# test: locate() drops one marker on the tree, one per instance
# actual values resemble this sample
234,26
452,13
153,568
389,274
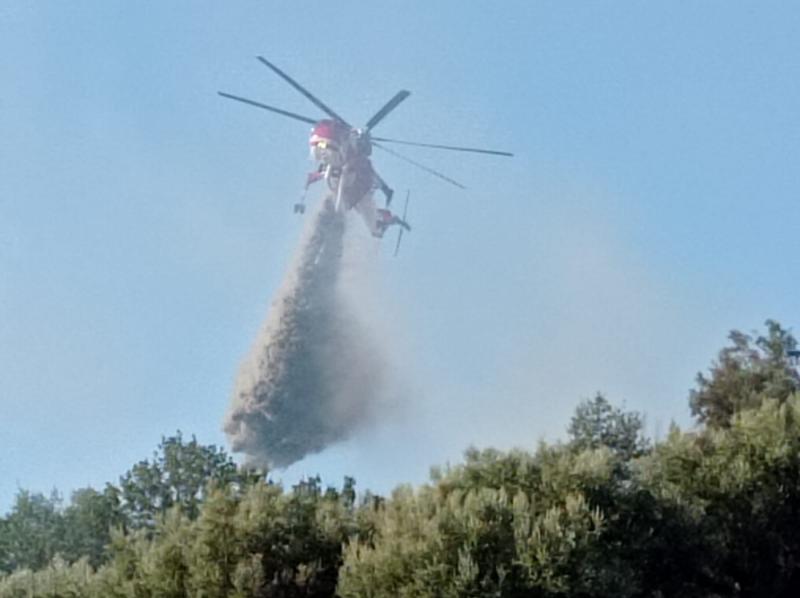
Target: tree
32,533
711,512
740,485
295,538
597,423
510,524
38,528
744,375
178,475
88,522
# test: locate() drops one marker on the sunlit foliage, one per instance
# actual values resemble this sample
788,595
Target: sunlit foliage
712,511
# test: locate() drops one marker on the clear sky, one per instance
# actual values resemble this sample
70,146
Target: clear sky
145,222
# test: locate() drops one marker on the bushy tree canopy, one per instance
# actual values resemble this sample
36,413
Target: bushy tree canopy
32,533
178,474
39,528
709,512
597,423
749,371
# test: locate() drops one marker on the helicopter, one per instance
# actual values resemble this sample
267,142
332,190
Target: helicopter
342,153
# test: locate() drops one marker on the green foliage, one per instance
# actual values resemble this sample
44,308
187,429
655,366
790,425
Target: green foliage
259,541
32,534
744,375
297,536
87,524
597,423
713,512
38,529
741,487
177,475
216,550
56,580
707,513
500,525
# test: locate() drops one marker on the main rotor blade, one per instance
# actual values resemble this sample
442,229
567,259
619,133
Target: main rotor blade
454,148
270,108
418,165
314,100
390,105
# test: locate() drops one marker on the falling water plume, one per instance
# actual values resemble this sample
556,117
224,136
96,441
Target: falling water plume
315,370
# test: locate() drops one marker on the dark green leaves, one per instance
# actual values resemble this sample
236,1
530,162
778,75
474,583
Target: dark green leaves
746,373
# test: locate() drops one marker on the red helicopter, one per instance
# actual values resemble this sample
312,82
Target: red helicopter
342,154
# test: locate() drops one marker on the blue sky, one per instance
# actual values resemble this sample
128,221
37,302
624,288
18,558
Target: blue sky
145,222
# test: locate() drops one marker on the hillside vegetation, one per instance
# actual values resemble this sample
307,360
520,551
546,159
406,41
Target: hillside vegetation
713,511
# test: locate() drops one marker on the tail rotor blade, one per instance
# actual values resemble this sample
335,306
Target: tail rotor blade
390,105
454,148
313,99
305,119
418,165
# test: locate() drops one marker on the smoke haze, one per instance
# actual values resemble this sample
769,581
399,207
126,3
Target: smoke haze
315,373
